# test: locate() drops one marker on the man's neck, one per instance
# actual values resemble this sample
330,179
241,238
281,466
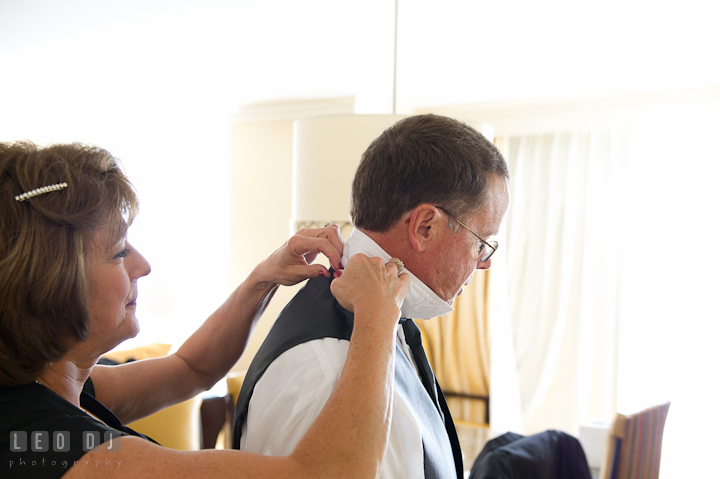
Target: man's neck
420,301
396,243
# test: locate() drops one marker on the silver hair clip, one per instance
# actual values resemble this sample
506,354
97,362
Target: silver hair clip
39,191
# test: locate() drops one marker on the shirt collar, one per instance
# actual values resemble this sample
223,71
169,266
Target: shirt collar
421,302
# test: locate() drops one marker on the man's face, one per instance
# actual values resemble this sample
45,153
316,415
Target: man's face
456,257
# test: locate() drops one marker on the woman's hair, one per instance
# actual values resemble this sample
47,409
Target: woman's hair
44,246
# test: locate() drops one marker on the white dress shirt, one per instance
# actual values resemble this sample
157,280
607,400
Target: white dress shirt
288,399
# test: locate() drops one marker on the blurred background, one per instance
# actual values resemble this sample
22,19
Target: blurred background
175,88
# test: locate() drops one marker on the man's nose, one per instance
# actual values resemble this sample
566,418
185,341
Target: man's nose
484,264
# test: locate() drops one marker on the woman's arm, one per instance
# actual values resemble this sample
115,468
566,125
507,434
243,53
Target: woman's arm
137,389
348,438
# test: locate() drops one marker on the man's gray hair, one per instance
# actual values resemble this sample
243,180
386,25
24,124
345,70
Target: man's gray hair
423,159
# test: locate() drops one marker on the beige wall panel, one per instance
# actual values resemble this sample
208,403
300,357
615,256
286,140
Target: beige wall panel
261,208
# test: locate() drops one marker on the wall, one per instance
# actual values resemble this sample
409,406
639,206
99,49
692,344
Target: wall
261,198
261,207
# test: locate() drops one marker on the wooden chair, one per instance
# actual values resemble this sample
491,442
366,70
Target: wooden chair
634,445
234,382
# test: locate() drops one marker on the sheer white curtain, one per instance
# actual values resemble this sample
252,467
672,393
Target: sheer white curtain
613,276
669,317
562,262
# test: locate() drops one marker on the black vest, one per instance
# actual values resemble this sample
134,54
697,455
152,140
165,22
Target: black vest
315,314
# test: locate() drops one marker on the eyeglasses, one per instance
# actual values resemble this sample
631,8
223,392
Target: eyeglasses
483,254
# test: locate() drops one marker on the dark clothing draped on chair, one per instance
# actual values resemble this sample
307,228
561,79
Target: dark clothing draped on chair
547,455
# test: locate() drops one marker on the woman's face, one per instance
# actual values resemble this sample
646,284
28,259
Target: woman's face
114,267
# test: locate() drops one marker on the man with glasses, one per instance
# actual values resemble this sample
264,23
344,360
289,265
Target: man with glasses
432,192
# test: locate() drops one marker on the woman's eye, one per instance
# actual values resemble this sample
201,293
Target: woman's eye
123,253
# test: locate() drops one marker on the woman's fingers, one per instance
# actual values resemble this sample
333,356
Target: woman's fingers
330,232
371,282
291,263
304,250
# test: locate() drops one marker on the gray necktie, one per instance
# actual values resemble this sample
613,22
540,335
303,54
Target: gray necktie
443,439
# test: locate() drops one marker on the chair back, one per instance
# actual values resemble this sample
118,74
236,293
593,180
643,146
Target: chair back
177,426
634,445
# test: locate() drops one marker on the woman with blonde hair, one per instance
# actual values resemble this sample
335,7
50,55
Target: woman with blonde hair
68,291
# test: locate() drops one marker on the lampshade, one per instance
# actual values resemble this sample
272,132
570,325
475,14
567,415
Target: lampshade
326,152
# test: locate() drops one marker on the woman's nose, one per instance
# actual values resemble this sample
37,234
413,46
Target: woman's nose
137,265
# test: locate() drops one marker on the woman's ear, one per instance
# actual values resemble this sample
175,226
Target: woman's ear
423,227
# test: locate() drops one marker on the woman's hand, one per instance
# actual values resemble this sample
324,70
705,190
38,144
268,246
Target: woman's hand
367,282
292,262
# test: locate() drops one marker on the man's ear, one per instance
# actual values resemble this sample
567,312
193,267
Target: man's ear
423,226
